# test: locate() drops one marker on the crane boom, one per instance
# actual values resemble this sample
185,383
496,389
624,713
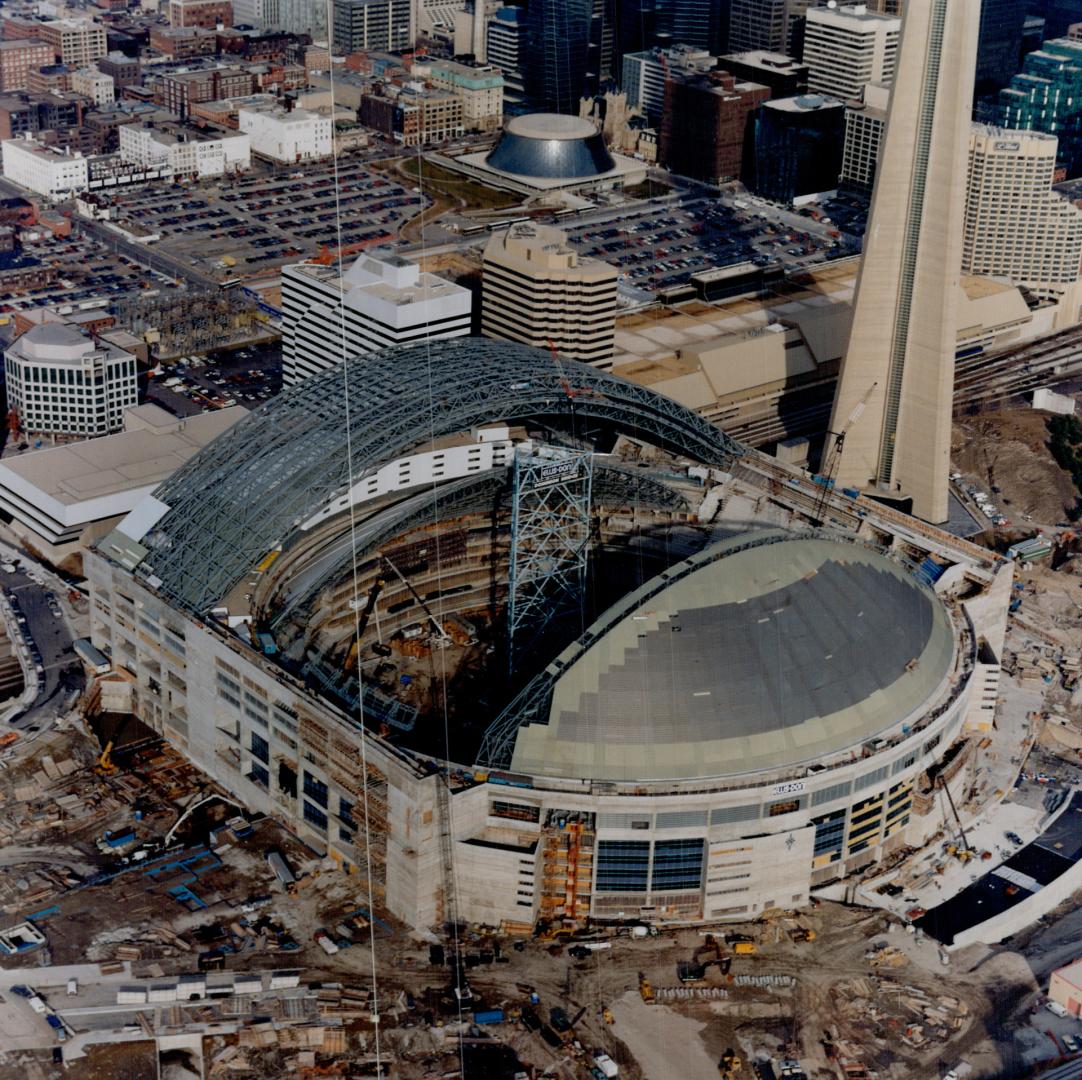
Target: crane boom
834,453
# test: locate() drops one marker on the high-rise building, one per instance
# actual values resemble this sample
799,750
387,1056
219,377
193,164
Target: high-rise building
1000,44
538,290
757,24
381,300
303,17
896,384
784,76
1016,226
797,147
848,47
258,13
382,25
645,73
701,24
864,123
565,54
704,127
61,382
506,49
1047,96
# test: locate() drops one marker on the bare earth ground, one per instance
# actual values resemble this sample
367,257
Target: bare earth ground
1008,449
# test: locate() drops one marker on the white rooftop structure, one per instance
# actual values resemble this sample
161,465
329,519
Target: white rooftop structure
382,299
55,495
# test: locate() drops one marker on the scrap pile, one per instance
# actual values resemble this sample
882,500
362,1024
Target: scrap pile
881,1010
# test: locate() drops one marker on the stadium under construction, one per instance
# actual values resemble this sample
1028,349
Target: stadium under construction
535,643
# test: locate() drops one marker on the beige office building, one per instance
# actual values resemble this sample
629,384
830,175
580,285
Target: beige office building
1016,226
76,42
848,47
865,121
538,290
896,384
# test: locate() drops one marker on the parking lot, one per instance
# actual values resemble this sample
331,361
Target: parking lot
657,247
88,270
244,226
246,376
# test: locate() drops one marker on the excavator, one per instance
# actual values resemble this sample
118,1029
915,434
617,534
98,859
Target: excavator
730,1065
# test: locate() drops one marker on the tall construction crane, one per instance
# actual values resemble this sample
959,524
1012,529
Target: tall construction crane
362,624
834,453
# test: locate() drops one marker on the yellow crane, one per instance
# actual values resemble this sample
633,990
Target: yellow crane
105,766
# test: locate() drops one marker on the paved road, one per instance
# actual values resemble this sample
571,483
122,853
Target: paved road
142,253
53,638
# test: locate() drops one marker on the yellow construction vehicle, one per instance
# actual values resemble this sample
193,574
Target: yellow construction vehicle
105,766
646,990
606,1015
730,1064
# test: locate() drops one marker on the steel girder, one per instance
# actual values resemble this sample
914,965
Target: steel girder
483,492
244,494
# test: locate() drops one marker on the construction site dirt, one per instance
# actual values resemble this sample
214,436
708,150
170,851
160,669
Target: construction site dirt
171,945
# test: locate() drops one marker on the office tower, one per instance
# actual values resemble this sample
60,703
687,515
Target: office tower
557,35
864,123
303,17
60,381
644,75
1058,15
506,48
796,147
846,48
1047,96
1016,226
783,75
757,24
258,13
1000,43
702,24
382,25
704,127
381,300
896,383
538,290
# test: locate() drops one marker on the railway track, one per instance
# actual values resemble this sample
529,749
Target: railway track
979,381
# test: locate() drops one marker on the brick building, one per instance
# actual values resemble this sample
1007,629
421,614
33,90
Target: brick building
183,42
181,89
17,57
205,13
704,125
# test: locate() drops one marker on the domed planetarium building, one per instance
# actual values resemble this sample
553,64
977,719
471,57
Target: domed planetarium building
542,152
733,718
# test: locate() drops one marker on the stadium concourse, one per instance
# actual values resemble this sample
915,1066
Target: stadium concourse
315,610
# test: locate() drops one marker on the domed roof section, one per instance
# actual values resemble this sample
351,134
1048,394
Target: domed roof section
750,656
551,146
55,342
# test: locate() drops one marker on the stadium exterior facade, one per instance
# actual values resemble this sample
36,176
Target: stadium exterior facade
552,819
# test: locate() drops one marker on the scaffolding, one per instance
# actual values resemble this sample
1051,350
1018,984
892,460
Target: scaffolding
195,320
550,536
567,858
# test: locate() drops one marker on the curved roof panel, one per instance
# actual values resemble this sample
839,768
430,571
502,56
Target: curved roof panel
552,146
759,658
243,495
